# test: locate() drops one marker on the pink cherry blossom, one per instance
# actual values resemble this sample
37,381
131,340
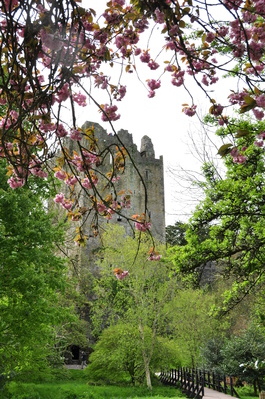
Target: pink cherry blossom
237,156
151,93
63,93
121,91
122,275
153,84
261,135
71,181
36,170
87,183
240,159
145,57
210,37
61,131
80,99
190,111
259,143
259,114
60,174
10,4
217,109
154,257
67,205
153,65
119,2
16,182
76,134
109,113
101,208
260,100
59,198
160,16
142,226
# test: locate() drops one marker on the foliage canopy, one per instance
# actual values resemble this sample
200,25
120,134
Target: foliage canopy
49,50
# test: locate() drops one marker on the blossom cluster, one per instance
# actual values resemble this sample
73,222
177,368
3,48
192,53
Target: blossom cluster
141,223
82,172
44,64
154,255
120,274
238,156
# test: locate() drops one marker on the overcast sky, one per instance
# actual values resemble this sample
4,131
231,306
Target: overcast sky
160,118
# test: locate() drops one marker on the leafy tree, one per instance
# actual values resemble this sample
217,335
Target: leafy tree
33,280
117,355
232,216
50,49
133,290
175,235
243,357
211,354
238,320
191,324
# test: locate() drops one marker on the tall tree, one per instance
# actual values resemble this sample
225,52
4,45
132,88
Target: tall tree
33,279
117,354
175,235
243,357
192,324
232,218
134,290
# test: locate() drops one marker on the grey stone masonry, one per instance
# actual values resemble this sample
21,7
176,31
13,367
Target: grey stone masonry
144,174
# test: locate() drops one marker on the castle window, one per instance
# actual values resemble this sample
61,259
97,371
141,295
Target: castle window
147,175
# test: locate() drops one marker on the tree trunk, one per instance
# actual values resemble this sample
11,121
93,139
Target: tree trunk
147,371
146,359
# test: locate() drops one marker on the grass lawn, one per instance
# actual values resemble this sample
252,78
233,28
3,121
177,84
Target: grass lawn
74,385
82,390
77,387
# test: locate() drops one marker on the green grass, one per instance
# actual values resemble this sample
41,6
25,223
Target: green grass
74,385
75,390
82,390
246,392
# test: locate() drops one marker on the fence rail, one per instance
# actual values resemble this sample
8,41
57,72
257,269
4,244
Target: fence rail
193,381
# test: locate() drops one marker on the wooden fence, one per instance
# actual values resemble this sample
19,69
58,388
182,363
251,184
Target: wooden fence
193,381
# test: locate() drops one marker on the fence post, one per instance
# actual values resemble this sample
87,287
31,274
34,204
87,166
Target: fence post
225,385
203,383
214,381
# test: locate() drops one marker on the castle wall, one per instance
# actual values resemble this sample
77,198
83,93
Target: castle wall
143,175
142,170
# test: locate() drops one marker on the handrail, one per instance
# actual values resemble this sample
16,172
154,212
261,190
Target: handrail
193,381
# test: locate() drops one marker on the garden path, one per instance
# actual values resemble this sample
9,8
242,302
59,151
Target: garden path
211,394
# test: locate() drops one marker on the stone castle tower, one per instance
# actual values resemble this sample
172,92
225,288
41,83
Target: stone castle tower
143,174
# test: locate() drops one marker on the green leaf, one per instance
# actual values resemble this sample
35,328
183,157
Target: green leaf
242,133
224,149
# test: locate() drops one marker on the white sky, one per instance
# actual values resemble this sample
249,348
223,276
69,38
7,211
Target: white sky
160,118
